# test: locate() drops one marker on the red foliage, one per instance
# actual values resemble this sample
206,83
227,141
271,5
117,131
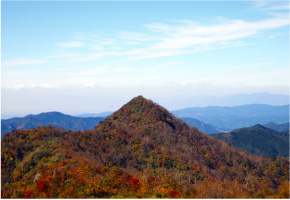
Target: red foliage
173,194
134,182
27,195
42,185
152,179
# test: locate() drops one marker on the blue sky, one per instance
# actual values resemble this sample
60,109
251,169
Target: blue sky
108,50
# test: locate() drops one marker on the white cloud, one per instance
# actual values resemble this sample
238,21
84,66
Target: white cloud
184,36
271,5
23,61
279,7
123,69
162,40
71,44
63,55
253,65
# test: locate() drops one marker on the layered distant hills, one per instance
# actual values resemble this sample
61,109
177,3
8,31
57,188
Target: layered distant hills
56,119
203,127
209,120
139,151
230,118
278,127
258,140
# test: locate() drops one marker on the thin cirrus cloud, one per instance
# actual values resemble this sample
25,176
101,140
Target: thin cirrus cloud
184,36
272,5
279,7
161,40
71,44
23,61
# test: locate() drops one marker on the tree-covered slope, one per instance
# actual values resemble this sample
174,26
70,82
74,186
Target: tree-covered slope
56,119
140,151
258,140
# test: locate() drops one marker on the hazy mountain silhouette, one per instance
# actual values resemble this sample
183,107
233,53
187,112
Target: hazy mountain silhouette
56,119
231,118
278,127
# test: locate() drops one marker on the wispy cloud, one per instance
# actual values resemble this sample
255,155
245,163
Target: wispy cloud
23,61
161,40
271,5
184,36
279,7
71,44
253,65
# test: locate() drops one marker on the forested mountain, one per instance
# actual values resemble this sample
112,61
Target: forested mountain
56,119
140,151
258,140
278,127
231,118
203,127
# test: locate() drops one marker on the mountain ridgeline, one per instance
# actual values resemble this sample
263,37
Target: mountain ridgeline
203,127
140,151
278,127
258,140
56,119
230,118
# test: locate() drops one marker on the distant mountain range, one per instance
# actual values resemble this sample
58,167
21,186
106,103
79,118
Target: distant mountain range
278,127
66,104
56,119
258,140
231,118
103,114
203,127
213,119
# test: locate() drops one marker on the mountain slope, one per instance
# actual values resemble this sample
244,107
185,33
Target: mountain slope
278,127
258,140
235,117
203,127
56,119
139,151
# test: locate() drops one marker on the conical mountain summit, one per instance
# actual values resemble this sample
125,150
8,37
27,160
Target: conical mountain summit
141,128
141,112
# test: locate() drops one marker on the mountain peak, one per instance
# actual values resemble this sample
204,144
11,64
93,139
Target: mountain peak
139,105
138,109
141,112
140,97
258,126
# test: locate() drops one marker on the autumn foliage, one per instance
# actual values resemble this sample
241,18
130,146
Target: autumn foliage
140,151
